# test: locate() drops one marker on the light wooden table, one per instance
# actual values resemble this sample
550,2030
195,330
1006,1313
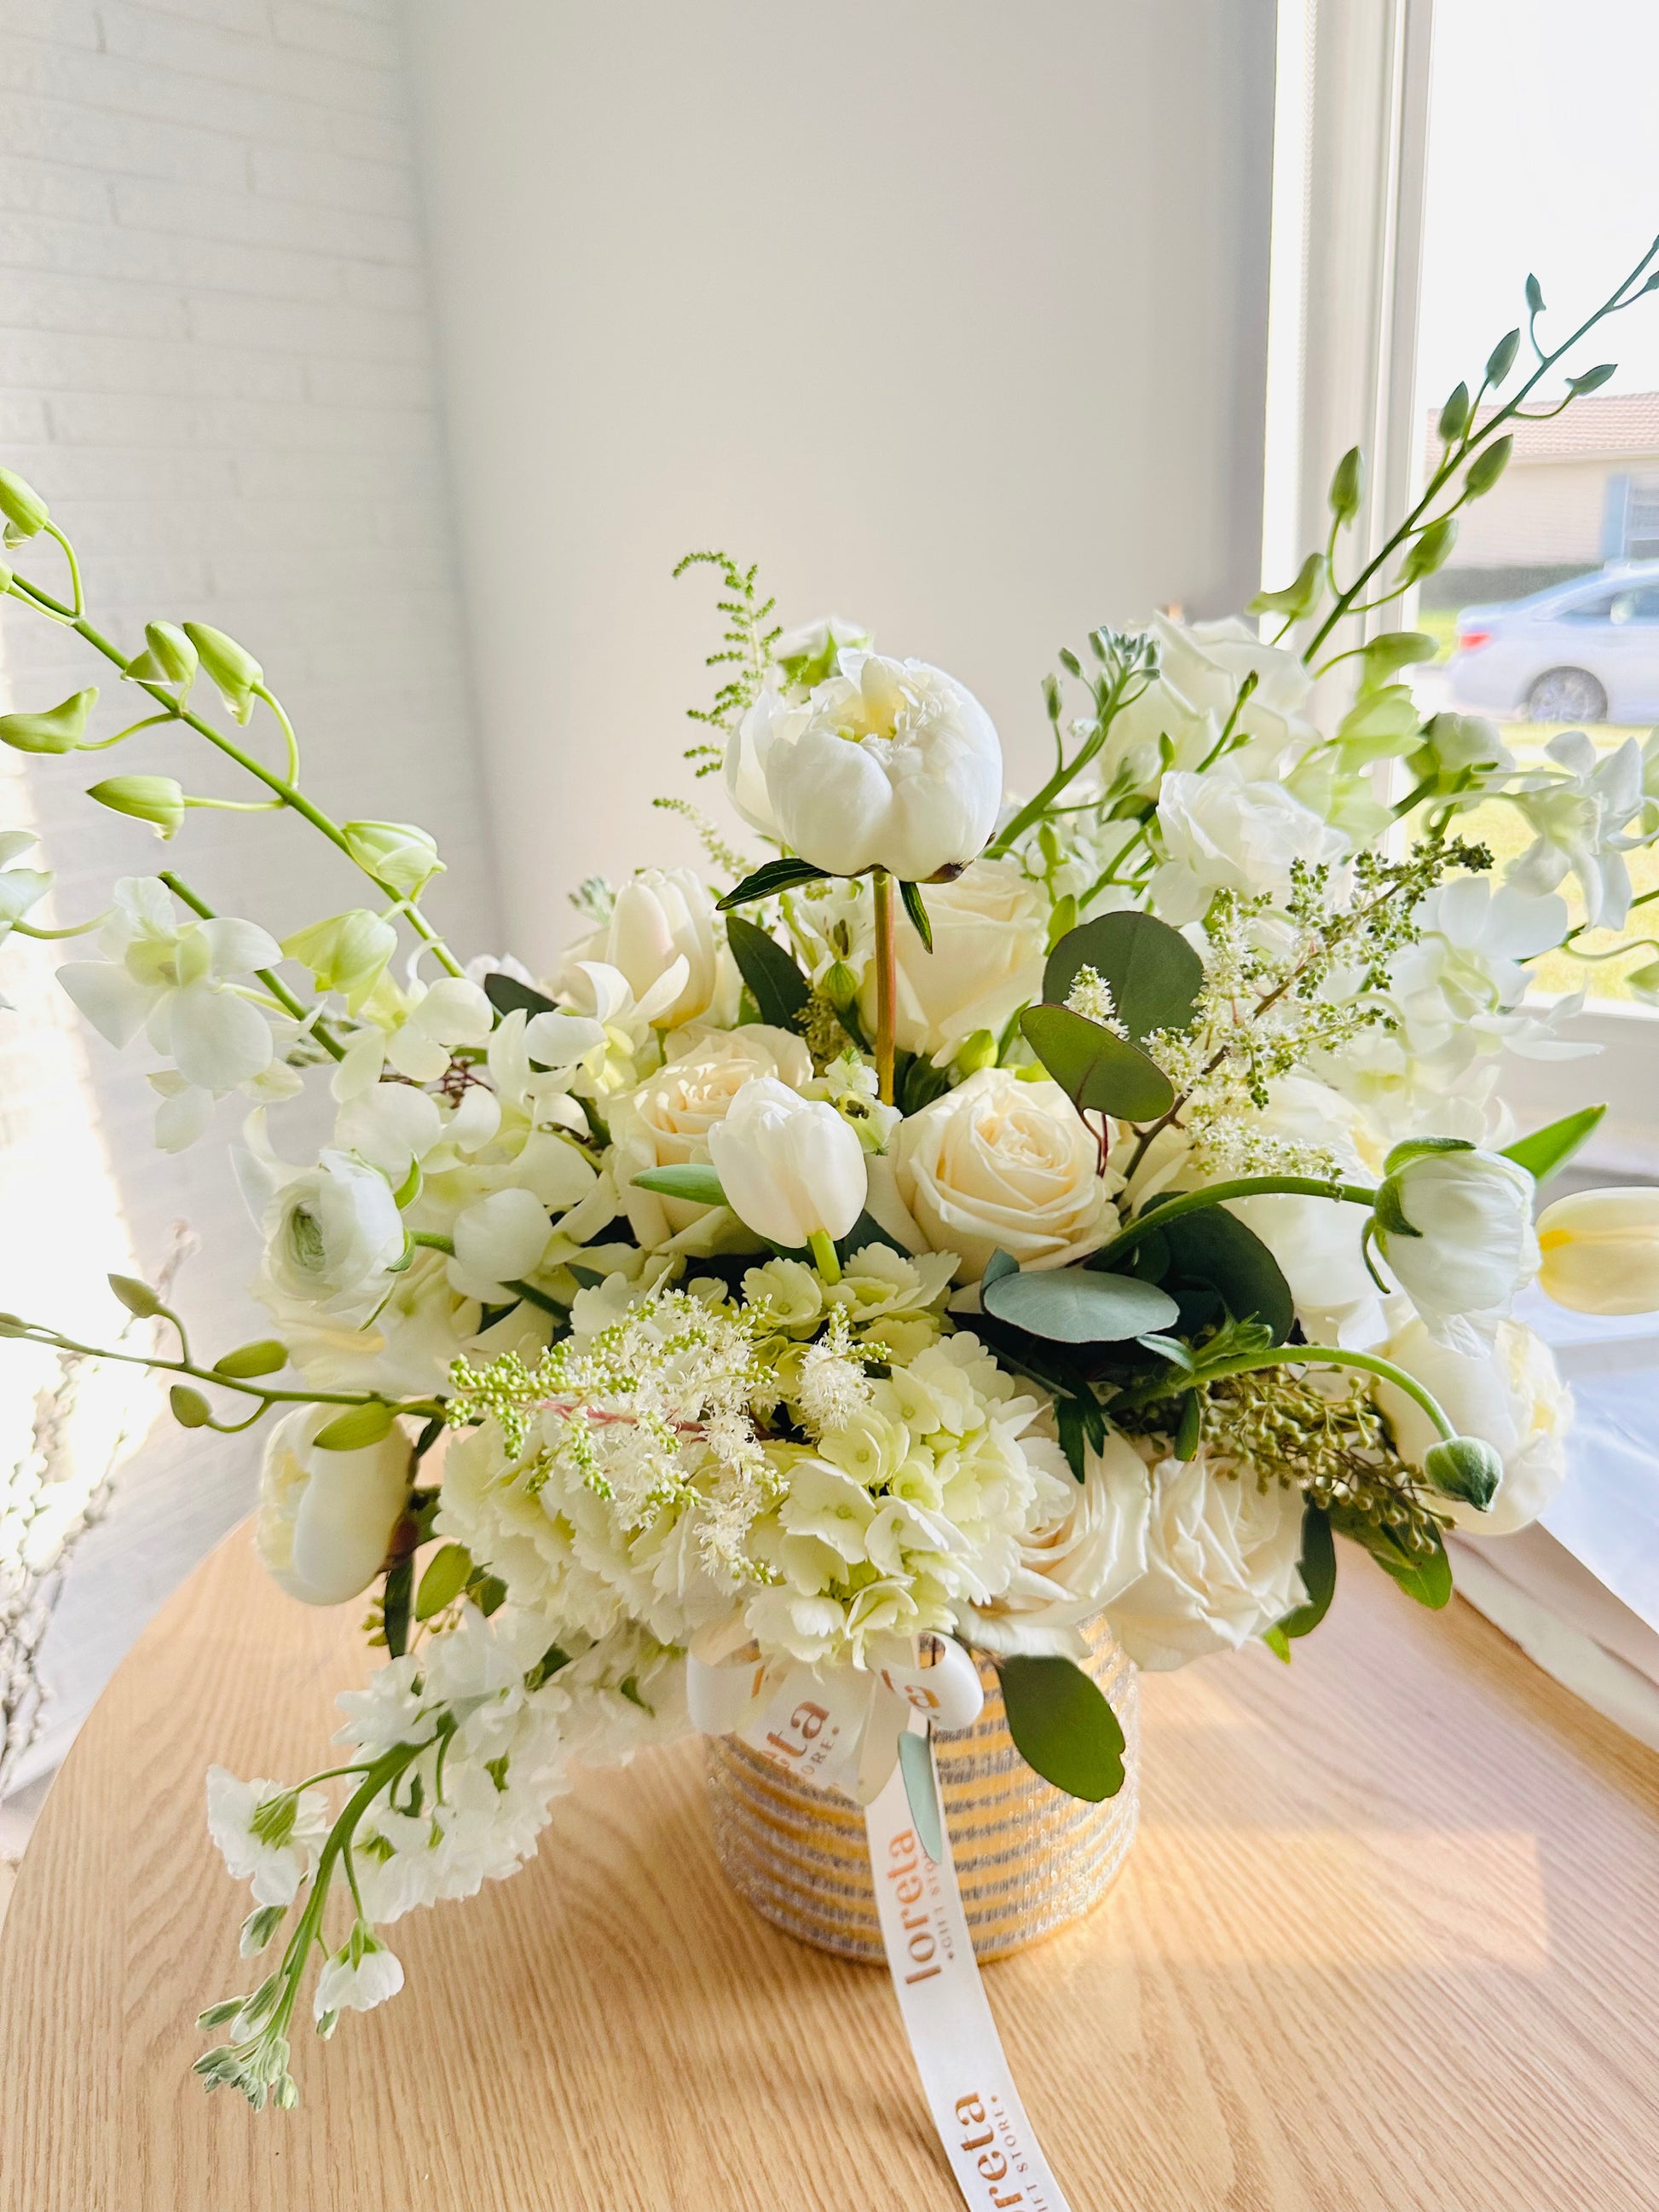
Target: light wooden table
1387,1939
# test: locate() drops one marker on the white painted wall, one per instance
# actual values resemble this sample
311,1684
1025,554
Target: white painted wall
214,363
951,315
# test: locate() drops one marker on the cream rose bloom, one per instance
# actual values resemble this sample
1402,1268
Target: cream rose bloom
990,937
665,1121
1077,1565
999,1163
1511,1397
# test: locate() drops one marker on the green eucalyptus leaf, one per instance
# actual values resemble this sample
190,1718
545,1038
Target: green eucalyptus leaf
775,876
1000,1263
1154,973
447,1574
1552,1146
1062,1726
1069,1305
509,996
1095,1068
780,990
1214,1247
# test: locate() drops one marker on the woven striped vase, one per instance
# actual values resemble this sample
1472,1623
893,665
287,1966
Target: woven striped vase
1029,1859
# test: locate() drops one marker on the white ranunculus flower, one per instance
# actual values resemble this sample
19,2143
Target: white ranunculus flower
790,1167
1224,830
990,938
891,764
1511,1397
1600,1251
1455,1225
326,1517
1222,1559
661,915
999,1163
665,1121
332,1234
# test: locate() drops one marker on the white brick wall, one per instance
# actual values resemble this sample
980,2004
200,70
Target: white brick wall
214,363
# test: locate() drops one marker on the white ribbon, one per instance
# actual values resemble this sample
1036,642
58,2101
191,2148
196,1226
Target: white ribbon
976,2109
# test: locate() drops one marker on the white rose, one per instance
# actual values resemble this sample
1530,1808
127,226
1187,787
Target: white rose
665,1121
1206,662
891,764
1223,831
1222,1560
1511,1397
661,915
1455,1225
1078,1564
331,1233
990,937
790,1167
999,1163
326,1517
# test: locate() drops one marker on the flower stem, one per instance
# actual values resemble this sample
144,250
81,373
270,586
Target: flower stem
823,1255
1330,1355
886,982
1190,1201
274,984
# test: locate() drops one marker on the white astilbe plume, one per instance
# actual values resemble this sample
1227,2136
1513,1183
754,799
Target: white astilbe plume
1090,996
833,1383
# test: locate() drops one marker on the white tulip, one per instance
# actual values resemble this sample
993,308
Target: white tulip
790,1167
326,1518
661,915
1511,1397
890,764
331,1233
1001,1163
1600,1251
1454,1225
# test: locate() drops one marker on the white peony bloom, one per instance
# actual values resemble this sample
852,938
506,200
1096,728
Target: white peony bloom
662,915
332,1234
359,1976
1600,1251
665,1121
1455,1225
1224,831
1222,1559
891,764
326,1518
268,1835
1511,1397
790,1167
172,979
1581,819
1002,1163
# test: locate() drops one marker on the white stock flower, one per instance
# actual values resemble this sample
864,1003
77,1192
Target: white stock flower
1224,830
1580,820
268,1835
666,1121
659,916
791,1168
891,764
1001,1163
1223,1558
326,1518
1454,1223
1600,1251
332,1234
1511,1397
359,1976
172,979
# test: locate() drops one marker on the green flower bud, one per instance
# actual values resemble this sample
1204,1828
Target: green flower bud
1644,983
399,852
1385,656
979,1051
1063,920
1488,464
1454,417
137,1297
1501,360
1347,490
1380,726
1430,551
25,511
264,1358
190,1408
168,656
346,953
1535,296
59,730
841,987
1465,1467
1592,378
231,668
156,799
1298,599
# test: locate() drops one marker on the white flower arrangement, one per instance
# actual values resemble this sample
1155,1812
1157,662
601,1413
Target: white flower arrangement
982,1217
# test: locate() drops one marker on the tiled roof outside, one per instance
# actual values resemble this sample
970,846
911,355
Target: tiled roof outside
1603,427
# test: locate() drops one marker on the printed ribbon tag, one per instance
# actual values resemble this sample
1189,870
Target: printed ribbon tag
976,2109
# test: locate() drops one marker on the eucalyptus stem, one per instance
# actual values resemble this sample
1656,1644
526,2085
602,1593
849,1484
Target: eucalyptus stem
1216,1193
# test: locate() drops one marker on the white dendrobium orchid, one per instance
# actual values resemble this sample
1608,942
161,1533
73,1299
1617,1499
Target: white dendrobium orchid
891,764
532,1058
1225,830
359,1976
268,1835
1580,820
421,1039
791,1166
19,888
1455,1225
172,979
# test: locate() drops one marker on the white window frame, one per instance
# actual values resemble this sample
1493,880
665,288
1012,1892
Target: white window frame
1350,172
